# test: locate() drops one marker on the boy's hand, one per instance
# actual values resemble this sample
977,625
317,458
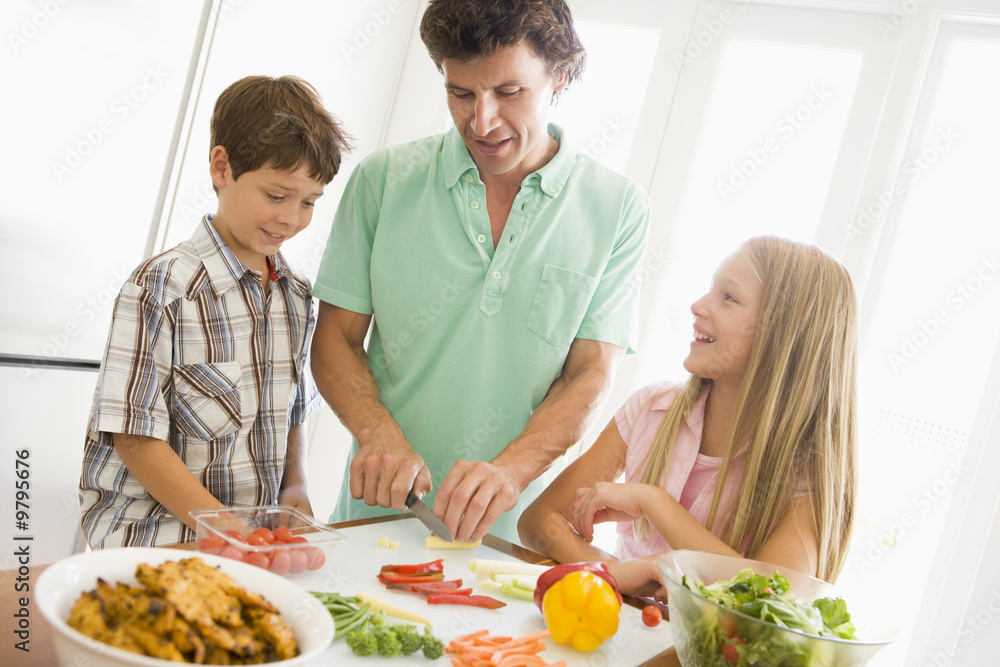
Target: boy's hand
383,473
296,497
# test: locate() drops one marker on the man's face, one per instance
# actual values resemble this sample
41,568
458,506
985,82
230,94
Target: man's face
500,105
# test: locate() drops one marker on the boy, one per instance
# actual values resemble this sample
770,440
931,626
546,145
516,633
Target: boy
204,385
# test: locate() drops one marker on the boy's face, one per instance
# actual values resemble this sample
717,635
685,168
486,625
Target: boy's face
500,105
262,209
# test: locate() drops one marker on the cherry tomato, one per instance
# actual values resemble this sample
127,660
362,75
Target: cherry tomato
300,560
211,544
230,551
235,535
281,562
317,558
258,558
265,534
256,540
731,653
283,534
297,539
651,615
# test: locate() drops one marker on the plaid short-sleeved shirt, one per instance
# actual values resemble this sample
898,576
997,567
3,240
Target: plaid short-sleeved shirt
199,357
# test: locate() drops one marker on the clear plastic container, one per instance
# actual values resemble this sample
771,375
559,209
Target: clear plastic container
277,538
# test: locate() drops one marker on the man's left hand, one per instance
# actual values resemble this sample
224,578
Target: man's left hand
473,496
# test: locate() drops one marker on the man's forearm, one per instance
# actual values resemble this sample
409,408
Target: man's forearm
340,370
562,419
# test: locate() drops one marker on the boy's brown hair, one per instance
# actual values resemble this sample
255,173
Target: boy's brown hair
279,123
468,29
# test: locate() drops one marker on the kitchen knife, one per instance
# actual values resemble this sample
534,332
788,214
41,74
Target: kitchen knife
427,517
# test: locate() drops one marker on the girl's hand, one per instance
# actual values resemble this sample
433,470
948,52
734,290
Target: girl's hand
639,576
607,501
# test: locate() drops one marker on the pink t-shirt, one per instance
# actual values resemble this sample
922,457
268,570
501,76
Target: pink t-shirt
690,475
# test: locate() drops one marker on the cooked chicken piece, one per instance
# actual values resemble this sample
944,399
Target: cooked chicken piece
185,611
87,615
269,627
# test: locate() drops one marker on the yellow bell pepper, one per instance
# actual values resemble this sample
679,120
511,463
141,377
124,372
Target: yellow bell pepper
581,610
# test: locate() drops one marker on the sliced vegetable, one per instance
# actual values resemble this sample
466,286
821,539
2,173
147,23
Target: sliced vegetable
454,591
482,601
435,542
526,581
391,609
507,589
393,578
449,585
433,567
485,567
385,542
481,648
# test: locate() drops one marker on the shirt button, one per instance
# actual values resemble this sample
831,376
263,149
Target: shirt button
496,275
468,178
474,204
552,188
451,179
481,238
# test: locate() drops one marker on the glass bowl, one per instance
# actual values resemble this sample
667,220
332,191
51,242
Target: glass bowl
699,625
277,538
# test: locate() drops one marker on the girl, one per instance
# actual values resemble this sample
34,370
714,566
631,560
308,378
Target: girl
754,455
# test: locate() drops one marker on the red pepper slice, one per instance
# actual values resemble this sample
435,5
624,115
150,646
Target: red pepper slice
442,586
470,600
433,567
393,578
429,592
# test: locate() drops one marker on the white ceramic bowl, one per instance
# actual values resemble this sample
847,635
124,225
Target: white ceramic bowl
62,583
691,613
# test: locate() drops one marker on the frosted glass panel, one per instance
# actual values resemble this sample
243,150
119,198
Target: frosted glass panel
765,154
601,112
92,93
349,51
933,333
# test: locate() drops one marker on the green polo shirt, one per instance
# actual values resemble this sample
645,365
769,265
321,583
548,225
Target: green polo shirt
468,338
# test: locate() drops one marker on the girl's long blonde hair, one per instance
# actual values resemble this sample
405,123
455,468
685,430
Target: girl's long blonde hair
797,404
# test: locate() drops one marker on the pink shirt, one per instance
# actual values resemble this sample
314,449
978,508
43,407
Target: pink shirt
690,476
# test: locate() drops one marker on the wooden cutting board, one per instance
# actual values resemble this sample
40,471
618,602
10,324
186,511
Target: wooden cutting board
356,562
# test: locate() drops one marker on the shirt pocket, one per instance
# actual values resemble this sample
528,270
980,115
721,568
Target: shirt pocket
561,301
207,399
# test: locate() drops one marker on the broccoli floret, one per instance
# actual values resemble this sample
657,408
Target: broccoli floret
432,646
361,642
409,639
389,645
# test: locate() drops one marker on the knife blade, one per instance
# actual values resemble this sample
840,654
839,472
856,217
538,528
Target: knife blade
427,517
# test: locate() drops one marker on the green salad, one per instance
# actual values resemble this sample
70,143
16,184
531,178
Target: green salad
720,638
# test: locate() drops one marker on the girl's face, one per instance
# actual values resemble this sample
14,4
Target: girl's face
725,322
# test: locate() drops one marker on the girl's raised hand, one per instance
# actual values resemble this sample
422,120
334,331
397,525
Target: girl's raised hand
606,501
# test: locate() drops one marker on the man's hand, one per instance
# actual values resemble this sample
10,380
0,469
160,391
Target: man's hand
383,473
608,501
472,498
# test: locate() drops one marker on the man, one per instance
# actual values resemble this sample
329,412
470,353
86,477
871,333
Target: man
496,264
